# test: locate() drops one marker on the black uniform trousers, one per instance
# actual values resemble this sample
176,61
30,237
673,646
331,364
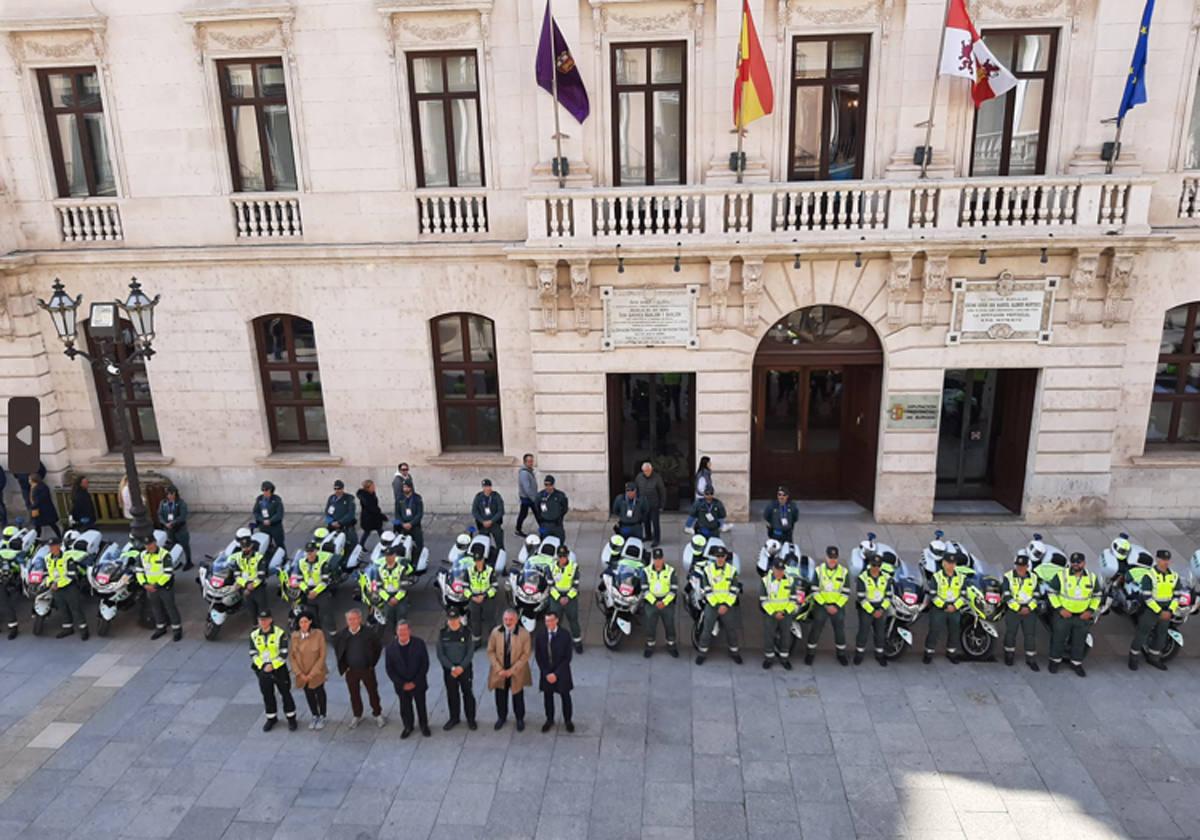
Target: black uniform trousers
279,680
1027,625
941,622
1069,633
257,598
70,603
817,624
409,699
162,603
479,617
460,694
866,623
1151,633
8,602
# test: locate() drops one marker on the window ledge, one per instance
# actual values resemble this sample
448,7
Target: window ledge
472,459
1166,458
299,459
115,461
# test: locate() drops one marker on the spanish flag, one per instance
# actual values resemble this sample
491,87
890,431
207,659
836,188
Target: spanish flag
752,93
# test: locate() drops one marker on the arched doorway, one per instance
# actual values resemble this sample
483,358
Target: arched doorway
817,379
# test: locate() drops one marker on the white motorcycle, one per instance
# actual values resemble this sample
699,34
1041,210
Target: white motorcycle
404,547
541,550
703,555
35,579
938,548
218,577
113,577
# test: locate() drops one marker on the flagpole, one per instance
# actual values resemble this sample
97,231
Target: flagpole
558,155
926,152
1112,159
741,161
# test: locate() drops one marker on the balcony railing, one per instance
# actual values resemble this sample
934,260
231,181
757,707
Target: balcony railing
895,210
89,220
1189,199
452,212
267,217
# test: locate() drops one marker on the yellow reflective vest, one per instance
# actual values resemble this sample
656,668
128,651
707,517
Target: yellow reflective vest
779,595
1076,593
268,648
831,585
155,569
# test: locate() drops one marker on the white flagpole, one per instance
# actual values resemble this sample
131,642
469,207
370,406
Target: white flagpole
926,152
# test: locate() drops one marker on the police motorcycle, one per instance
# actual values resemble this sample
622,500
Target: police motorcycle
622,587
529,588
35,578
869,546
773,549
985,610
453,579
1123,593
342,561
372,594
540,548
700,550
910,598
938,548
113,578
17,543
405,548
218,577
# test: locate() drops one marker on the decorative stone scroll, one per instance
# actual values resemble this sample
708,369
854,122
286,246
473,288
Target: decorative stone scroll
897,286
224,30
752,290
428,24
1082,278
547,291
719,272
79,40
667,18
581,290
1120,277
932,286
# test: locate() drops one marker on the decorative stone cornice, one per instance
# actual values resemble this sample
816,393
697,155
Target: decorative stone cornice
433,23
752,289
222,31
897,285
933,286
621,17
547,290
581,291
43,40
1120,278
1083,277
719,272
1023,10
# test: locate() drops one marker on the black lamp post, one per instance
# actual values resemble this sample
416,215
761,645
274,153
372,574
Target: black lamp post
104,326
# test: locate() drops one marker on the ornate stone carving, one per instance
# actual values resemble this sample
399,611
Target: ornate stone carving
247,41
80,39
1120,277
547,289
434,32
719,272
1012,10
897,286
6,322
805,11
752,289
219,32
628,19
1082,278
1006,284
581,293
933,286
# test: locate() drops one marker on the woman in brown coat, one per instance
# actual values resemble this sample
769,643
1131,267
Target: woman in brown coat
307,659
509,650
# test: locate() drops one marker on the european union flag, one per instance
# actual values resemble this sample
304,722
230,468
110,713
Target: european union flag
1135,85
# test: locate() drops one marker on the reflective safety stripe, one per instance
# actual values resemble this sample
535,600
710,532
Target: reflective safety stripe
153,569
564,578
311,573
779,596
481,582
1076,592
876,591
247,568
1020,590
390,578
720,581
58,572
267,647
949,590
831,585
659,588
1162,591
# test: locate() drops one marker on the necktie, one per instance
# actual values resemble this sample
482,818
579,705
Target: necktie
507,650
550,647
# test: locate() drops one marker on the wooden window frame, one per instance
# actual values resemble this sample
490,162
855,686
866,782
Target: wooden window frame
470,401
648,89
1047,76
132,402
290,364
1190,356
258,101
50,112
446,97
826,84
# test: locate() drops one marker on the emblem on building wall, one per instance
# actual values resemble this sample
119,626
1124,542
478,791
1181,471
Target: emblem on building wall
1004,309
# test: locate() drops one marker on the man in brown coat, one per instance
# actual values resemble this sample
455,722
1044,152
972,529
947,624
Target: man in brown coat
509,650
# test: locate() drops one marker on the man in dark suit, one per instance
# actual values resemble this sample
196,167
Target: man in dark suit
407,662
552,650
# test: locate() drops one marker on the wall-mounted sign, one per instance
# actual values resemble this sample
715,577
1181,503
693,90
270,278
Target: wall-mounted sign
650,317
1004,309
913,412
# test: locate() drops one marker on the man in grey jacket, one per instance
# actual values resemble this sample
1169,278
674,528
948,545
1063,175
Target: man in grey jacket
653,490
527,491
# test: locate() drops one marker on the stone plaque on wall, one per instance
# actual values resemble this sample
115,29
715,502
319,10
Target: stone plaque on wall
1004,309
650,317
913,412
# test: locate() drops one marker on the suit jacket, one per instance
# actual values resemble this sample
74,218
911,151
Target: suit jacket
520,650
562,660
42,502
407,663
374,647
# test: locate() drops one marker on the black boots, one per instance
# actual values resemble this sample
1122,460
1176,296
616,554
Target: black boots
766,664
270,724
158,633
1009,657
1078,669
1053,667
841,658
1133,661
63,633
1156,662
737,657
881,659
858,657
1032,663
808,658
927,658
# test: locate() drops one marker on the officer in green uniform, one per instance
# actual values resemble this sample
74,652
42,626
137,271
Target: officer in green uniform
156,574
720,585
564,594
393,593
874,592
1075,597
661,589
62,572
251,576
481,583
268,514
10,578
946,614
315,579
1019,591
832,593
1159,605
779,605
268,658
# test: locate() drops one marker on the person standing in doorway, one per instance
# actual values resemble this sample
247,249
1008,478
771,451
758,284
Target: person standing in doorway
358,651
527,492
408,668
552,649
703,480
372,515
651,487
509,650
488,510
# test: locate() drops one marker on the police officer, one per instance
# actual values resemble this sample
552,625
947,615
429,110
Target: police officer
779,605
564,594
488,510
1075,597
945,615
552,506
481,583
393,594
455,651
315,579
62,573
340,515
874,592
661,588
832,593
268,659
781,516
156,574
251,576
173,514
631,512
1159,605
268,514
1019,591
410,510
707,515
720,586
10,578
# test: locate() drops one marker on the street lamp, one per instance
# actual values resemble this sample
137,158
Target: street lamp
104,326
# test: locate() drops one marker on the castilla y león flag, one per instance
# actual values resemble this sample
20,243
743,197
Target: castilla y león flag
554,59
964,54
752,94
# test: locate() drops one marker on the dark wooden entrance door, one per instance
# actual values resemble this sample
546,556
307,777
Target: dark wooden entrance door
799,422
1016,391
652,417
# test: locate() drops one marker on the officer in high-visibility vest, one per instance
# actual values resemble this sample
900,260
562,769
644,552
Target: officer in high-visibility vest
481,585
661,589
393,593
268,658
62,573
1019,591
720,585
778,602
945,616
1159,605
874,591
156,574
831,594
315,580
10,578
1075,598
251,576
564,594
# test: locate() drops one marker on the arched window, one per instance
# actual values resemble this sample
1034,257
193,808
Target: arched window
139,407
287,358
1175,409
468,386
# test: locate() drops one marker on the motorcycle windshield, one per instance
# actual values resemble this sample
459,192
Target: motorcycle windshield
223,566
111,562
532,574
628,579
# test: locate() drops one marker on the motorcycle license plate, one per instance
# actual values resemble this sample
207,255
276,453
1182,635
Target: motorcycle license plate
217,582
35,577
905,635
530,589
626,589
1177,636
909,598
102,579
528,623
624,625
992,598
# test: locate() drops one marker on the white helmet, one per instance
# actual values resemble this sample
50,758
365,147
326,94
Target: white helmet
1036,549
387,538
532,542
939,546
616,541
773,547
868,545
242,534
462,541
1121,546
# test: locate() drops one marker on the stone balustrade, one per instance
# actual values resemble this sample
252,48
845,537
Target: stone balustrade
266,217
89,220
452,212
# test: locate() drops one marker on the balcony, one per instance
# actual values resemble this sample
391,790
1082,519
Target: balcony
266,216
841,211
453,214
88,220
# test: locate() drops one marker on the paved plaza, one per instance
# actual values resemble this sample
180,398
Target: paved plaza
124,737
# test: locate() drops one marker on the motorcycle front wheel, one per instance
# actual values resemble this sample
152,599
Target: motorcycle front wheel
696,636
211,630
612,635
103,627
39,624
976,642
894,647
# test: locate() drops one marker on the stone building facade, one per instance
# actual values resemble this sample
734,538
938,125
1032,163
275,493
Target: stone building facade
400,172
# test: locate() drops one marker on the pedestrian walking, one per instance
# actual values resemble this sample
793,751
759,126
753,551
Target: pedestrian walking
307,660
371,517
340,514
661,589
83,510
631,512
23,483
408,668
1019,592
874,591
41,507
62,575
267,515
410,511
509,650
156,574
564,594
1160,602
488,510
703,480
455,651
945,616
552,505
1075,597
527,492
173,514
357,650
552,650
832,594
268,659
651,487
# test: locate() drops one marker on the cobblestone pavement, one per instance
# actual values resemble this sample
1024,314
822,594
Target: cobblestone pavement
124,737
